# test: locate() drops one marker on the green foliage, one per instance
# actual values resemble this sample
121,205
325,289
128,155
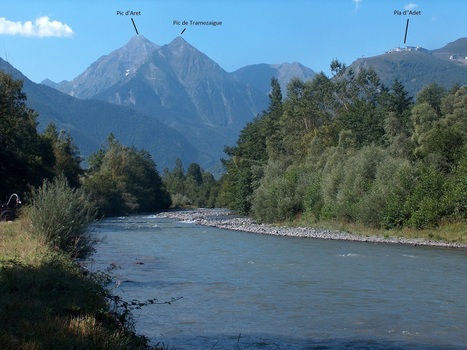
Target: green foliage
123,180
60,215
433,95
455,195
313,198
47,302
250,152
395,178
357,182
425,203
24,158
350,149
440,138
66,154
277,197
105,192
256,142
196,188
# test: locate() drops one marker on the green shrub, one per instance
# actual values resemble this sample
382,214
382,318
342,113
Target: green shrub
425,204
313,197
383,204
277,199
332,177
397,176
347,180
180,201
455,196
60,215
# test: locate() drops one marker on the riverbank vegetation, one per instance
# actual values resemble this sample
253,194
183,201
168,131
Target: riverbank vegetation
48,302
123,180
194,188
350,150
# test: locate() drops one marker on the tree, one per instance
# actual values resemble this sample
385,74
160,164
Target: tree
194,171
275,99
348,148
397,100
440,137
24,158
249,153
66,154
124,180
359,96
175,184
433,95
397,124
195,188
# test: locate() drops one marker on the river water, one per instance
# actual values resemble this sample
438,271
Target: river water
248,291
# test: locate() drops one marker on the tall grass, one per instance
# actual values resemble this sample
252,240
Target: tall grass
47,302
60,215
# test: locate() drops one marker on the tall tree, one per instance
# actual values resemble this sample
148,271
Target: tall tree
66,154
433,95
22,150
361,95
397,123
194,171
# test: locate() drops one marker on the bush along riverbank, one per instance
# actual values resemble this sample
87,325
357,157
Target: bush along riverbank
47,301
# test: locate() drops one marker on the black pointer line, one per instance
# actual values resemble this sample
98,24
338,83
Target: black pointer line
183,31
134,25
406,29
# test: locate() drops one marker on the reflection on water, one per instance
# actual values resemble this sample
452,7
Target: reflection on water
243,290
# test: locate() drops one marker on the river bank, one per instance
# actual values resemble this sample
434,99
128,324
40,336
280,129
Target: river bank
225,219
47,301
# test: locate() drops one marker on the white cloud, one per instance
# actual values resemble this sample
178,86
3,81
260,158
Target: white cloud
410,6
358,3
42,27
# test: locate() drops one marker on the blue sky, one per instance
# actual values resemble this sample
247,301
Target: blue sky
59,39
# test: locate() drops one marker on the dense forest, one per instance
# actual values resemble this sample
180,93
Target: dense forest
349,149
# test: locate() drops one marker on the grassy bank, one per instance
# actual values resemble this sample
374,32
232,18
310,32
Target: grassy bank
47,302
449,232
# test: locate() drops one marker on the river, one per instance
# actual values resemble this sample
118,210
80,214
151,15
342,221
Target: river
249,291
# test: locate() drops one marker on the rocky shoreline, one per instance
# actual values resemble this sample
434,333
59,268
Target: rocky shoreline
225,219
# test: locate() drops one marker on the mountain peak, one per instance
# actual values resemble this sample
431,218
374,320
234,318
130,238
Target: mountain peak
140,40
109,69
49,83
178,41
180,44
140,45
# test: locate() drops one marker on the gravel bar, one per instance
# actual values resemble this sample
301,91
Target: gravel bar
225,219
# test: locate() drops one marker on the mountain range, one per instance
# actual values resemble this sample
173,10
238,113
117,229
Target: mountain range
182,88
174,101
